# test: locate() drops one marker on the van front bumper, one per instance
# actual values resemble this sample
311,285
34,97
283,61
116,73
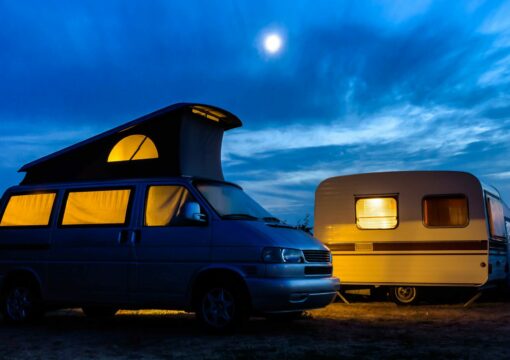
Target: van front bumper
290,294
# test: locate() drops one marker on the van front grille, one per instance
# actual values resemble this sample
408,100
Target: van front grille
318,270
317,256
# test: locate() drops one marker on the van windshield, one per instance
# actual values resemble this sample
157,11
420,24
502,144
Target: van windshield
231,202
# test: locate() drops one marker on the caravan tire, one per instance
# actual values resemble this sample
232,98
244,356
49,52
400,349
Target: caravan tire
404,295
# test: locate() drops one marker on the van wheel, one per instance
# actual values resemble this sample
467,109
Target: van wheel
99,311
404,295
21,302
222,306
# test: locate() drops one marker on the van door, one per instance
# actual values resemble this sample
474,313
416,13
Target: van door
25,230
169,249
90,253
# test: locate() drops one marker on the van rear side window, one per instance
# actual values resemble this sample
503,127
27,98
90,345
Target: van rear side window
28,210
376,213
445,211
98,207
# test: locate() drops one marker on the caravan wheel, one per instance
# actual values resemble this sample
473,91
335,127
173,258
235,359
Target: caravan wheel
404,295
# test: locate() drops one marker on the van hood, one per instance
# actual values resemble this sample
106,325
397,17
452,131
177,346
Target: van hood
259,233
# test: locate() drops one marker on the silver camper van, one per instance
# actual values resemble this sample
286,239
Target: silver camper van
141,217
403,231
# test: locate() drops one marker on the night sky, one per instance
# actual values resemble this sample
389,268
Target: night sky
358,86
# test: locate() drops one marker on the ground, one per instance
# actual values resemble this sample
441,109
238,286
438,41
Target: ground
360,330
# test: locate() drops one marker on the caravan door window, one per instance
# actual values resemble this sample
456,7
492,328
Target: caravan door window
496,217
445,211
376,213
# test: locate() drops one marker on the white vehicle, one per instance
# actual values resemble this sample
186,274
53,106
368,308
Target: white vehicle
406,230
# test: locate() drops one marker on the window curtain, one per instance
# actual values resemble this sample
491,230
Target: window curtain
96,207
28,210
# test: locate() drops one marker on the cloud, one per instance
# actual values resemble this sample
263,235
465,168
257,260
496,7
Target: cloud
411,128
22,148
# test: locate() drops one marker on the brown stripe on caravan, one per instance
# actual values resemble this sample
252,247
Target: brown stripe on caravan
431,245
342,247
417,246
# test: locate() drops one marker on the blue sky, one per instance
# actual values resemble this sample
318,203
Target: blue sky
359,86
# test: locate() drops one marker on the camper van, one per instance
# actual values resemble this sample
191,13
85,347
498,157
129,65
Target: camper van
141,217
405,231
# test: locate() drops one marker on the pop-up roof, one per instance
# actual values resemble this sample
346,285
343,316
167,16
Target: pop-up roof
182,139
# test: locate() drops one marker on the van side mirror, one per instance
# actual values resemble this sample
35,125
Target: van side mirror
192,212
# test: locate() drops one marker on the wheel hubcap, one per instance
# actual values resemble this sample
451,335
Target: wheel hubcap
19,303
405,293
218,307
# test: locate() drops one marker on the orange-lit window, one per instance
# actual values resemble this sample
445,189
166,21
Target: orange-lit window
133,147
496,217
96,207
445,211
376,213
164,205
28,210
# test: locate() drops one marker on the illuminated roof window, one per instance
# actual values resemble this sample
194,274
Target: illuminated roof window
133,147
208,113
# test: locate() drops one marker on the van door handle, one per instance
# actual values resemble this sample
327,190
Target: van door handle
122,237
134,237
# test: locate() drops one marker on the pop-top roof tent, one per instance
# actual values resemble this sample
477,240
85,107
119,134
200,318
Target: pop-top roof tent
181,139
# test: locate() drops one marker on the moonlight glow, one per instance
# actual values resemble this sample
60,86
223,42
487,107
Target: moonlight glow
272,43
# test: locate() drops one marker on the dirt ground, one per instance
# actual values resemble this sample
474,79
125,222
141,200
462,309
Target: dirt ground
360,330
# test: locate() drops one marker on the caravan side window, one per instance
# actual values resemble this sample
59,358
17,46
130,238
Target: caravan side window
445,211
28,210
376,213
96,207
496,217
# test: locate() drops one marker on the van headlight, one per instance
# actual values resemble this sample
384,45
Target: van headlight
282,255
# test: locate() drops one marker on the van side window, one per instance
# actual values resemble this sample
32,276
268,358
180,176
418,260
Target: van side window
496,217
376,213
28,210
97,207
164,205
445,211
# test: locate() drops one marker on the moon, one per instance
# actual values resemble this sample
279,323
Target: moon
273,43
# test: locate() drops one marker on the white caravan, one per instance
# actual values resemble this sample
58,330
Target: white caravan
406,230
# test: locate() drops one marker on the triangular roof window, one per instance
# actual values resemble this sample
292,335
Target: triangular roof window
133,147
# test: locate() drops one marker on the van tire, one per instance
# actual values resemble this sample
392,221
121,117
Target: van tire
222,306
404,295
99,312
21,302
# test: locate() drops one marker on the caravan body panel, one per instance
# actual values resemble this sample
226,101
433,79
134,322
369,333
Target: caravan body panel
411,252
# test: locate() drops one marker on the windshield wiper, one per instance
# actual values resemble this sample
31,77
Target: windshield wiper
239,216
272,219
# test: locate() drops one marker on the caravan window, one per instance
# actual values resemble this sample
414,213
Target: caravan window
28,210
376,213
98,207
496,217
445,211
164,205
